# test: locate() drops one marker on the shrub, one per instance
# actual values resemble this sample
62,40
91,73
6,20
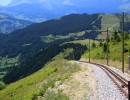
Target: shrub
93,45
56,96
104,47
100,44
2,85
126,50
116,37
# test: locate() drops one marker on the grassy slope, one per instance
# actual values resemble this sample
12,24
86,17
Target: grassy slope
84,42
33,85
115,54
110,21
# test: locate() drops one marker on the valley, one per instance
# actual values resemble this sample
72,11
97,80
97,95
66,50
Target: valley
64,50
45,52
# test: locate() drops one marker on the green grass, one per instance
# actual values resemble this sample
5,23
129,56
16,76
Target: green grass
64,54
7,62
34,85
114,55
51,38
115,52
110,21
83,42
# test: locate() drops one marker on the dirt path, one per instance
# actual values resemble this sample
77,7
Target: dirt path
81,85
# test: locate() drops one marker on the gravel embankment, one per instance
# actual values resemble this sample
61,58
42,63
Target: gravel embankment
126,76
106,88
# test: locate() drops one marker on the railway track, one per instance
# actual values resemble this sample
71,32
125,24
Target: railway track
122,83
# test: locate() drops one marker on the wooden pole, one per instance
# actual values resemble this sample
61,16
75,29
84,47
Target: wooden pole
123,43
107,48
89,47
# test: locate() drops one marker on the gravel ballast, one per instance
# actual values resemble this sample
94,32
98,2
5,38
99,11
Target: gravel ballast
107,90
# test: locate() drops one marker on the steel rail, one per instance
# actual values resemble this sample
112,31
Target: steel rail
119,81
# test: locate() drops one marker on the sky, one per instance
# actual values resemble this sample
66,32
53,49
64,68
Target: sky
94,2
4,2
123,5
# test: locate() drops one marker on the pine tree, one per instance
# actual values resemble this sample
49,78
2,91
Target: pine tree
105,47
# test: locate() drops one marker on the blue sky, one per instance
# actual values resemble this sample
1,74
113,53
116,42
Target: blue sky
4,2
94,2
105,5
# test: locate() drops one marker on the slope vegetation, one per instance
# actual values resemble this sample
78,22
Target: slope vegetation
98,53
37,83
37,61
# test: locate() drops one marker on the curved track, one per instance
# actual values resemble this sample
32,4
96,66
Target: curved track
122,83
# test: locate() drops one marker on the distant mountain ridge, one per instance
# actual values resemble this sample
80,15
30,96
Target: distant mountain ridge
42,10
9,23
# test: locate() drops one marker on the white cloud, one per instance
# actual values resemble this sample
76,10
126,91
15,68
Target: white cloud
16,2
68,2
124,1
4,2
48,4
125,7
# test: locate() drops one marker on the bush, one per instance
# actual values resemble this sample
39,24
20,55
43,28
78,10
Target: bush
2,85
93,45
55,70
126,35
116,37
100,44
104,47
34,96
56,96
126,50
125,44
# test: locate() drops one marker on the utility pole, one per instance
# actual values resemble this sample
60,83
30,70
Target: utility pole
123,43
89,47
107,47
129,59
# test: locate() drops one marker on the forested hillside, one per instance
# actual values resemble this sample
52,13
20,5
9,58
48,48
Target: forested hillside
37,39
29,40
32,64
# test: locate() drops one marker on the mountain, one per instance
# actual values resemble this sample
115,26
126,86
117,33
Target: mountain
24,44
36,11
41,35
41,10
9,23
21,44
